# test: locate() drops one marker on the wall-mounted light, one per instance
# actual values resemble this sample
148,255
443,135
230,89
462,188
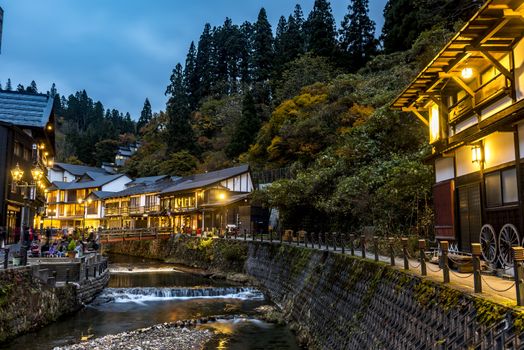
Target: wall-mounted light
467,73
476,154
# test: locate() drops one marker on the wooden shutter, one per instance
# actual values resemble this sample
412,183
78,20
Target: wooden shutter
444,210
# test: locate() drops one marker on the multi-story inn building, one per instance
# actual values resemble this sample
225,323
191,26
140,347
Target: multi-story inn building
27,145
69,204
471,97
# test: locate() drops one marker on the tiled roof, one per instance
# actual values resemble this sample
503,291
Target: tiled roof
146,180
99,181
143,188
22,109
79,170
206,179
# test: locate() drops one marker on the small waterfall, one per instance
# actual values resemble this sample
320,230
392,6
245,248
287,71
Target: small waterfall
126,295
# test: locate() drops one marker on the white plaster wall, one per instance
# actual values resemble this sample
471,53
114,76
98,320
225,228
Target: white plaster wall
444,169
519,69
498,149
117,185
496,107
465,124
463,161
54,175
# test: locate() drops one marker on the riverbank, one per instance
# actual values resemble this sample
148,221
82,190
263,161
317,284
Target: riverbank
162,336
337,301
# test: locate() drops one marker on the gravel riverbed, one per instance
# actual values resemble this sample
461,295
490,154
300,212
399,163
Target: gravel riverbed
158,337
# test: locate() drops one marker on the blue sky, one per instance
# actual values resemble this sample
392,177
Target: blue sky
121,51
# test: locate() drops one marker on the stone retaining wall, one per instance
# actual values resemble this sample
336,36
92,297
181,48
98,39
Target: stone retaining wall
341,302
26,303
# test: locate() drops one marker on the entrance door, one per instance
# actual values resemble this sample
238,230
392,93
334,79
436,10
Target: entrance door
470,215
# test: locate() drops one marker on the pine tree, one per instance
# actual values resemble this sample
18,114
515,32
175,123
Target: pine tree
8,86
357,35
32,89
280,54
190,76
246,129
246,37
180,133
145,116
20,88
262,47
203,67
320,30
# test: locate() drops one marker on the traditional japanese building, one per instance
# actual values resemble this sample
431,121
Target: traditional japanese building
471,97
27,145
217,200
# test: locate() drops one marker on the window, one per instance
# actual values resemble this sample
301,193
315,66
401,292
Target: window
501,188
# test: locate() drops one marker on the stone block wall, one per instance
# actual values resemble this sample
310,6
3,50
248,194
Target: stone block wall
27,304
341,302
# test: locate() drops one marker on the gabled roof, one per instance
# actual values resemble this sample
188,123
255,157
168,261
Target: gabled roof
206,179
79,170
155,187
496,27
24,109
147,180
99,181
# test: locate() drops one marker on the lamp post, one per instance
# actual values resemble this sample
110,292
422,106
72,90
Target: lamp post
17,174
84,203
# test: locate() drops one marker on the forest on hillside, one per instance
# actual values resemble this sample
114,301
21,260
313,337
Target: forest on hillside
309,96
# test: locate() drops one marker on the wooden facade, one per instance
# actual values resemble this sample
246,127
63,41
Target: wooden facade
471,97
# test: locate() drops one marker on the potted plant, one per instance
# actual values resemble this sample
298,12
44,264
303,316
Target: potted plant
71,249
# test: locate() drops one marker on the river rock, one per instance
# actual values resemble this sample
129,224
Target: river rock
238,277
162,336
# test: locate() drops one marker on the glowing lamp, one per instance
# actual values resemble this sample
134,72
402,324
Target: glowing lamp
37,173
17,173
476,154
467,73
222,196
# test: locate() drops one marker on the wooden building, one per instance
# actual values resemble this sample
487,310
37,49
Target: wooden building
27,139
471,97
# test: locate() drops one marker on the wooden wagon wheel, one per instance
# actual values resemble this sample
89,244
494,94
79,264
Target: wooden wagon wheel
508,238
488,243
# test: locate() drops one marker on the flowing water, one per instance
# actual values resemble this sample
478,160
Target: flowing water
144,292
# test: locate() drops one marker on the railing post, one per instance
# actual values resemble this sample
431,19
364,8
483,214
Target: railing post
261,236
341,238
270,236
391,241
444,248
352,243
477,281
298,238
245,235
422,249
67,276
375,243
6,258
334,236
319,243
225,234
289,238
280,234
518,257
405,252
363,245
305,239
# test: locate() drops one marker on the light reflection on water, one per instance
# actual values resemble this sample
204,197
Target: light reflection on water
104,318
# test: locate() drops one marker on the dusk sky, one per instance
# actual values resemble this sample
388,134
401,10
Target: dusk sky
121,51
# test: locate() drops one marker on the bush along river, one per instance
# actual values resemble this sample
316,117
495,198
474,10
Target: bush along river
153,298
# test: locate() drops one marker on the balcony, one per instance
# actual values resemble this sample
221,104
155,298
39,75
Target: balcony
494,88
154,208
136,210
461,108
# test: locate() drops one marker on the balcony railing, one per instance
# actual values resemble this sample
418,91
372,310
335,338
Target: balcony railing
461,108
491,89
116,211
152,208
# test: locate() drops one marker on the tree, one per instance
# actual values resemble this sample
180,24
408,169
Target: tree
105,151
180,163
8,86
357,35
180,133
145,116
246,129
20,88
191,77
262,47
320,30
203,67
32,89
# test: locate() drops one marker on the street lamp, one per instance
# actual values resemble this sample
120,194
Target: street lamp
17,174
83,202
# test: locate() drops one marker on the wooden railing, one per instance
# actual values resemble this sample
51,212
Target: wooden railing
134,234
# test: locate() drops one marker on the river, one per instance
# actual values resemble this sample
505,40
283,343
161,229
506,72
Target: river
144,292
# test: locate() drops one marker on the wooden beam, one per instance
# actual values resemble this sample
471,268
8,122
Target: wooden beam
494,30
461,83
497,64
417,114
509,13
